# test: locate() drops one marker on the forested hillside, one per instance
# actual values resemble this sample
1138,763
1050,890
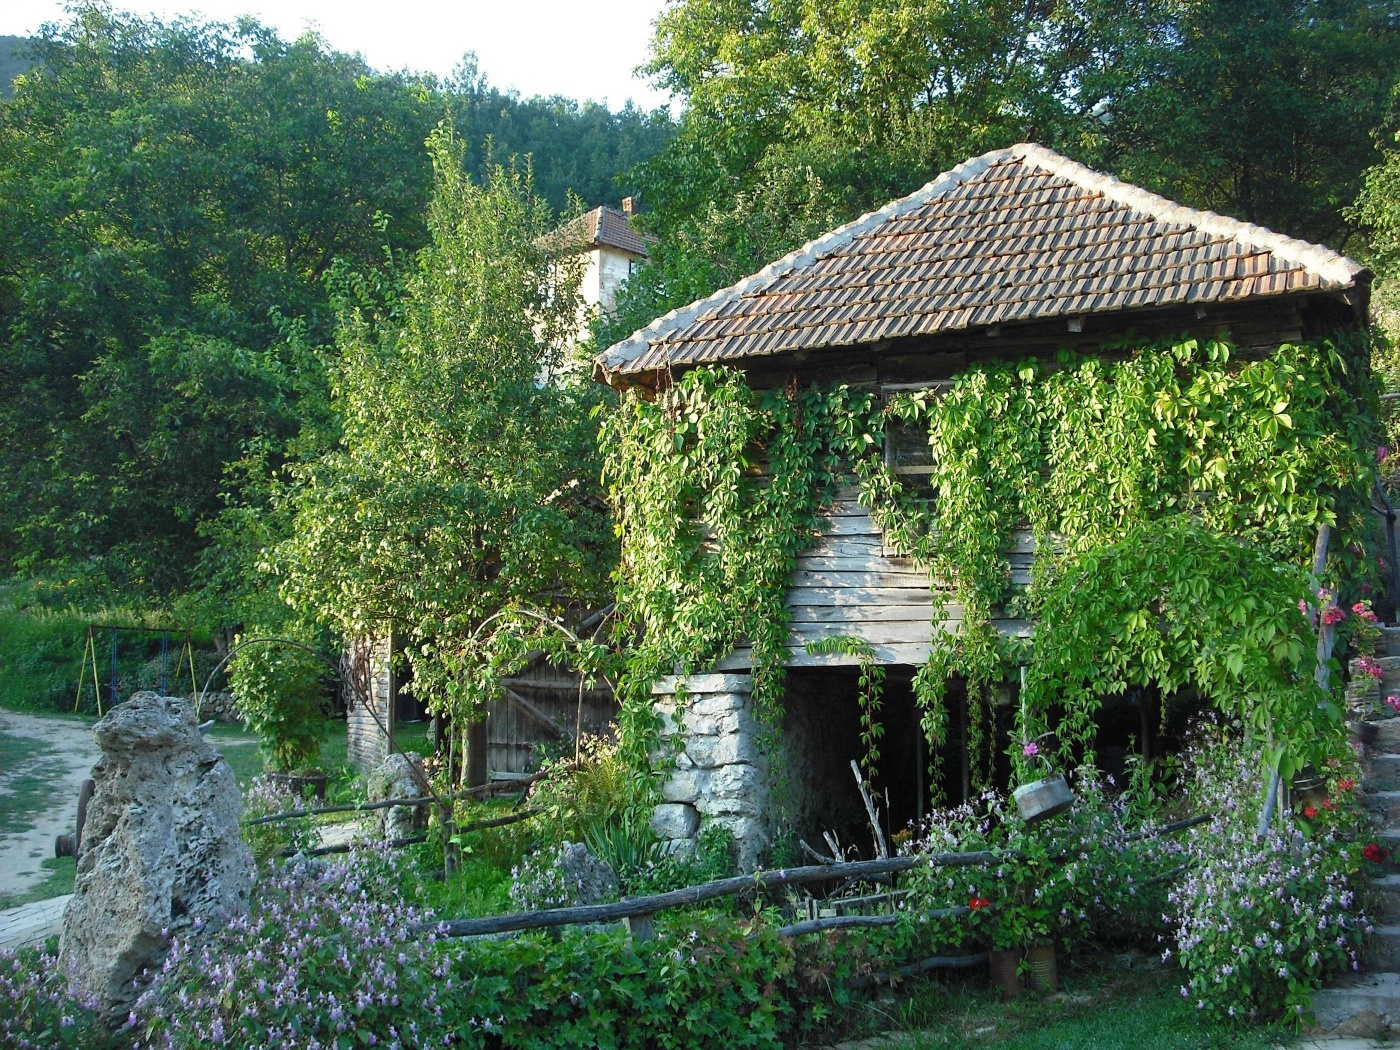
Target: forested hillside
180,206
12,62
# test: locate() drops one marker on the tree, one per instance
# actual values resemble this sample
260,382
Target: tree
1261,110
171,191
463,482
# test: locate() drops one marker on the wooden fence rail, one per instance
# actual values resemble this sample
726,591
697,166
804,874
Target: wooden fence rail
637,912
644,907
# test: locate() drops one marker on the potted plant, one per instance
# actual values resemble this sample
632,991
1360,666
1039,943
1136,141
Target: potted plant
1044,798
281,697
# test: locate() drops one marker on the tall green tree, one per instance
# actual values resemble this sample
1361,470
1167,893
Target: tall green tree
466,477
170,192
1263,110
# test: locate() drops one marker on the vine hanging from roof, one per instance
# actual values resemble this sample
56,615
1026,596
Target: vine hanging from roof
717,488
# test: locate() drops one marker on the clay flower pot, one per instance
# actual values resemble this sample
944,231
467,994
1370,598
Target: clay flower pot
1005,966
1044,976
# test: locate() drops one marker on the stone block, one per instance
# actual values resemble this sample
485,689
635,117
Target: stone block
709,752
751,839
740,781
718,703
685,785
675,820
704,683
722,724
1384,774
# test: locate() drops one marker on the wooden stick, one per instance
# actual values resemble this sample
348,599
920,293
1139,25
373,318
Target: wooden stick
762,880
834,922
480,825
937,962
880,845
498,786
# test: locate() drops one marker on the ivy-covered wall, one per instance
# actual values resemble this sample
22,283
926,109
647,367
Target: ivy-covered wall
719,489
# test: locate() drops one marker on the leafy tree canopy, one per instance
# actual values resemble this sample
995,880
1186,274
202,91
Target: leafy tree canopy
173,197
465,479
1258,109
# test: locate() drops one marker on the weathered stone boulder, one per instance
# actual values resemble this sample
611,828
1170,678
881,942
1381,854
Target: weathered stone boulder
592,881
399,776
563,876
161,853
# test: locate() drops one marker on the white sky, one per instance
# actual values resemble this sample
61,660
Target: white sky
537,47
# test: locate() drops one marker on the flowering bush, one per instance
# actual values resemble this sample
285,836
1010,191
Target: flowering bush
1261,922
1090,871
263,797
39,1014
326,956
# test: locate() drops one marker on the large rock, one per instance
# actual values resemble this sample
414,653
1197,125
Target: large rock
161,854
399,776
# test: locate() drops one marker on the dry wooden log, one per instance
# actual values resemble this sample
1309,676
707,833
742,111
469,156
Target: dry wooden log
881,846
837,922
759,881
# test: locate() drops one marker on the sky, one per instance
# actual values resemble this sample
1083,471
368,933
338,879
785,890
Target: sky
537,47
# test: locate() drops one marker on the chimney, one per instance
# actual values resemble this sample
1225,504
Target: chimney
627,206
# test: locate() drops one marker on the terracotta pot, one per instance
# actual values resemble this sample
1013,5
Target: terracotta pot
1005,966
1044,976
297,783
1043,799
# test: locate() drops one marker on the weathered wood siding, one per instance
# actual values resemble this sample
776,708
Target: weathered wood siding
850,584
538,715
367,728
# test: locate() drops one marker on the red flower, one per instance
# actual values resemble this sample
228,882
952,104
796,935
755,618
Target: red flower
1333,615
1327,803
1345,784
978,902
1373,852
1310,812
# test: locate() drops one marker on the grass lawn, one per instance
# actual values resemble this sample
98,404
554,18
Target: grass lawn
1105,1009
57,882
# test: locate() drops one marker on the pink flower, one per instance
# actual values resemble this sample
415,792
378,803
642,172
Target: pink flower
1303,606
1365,665
1332,614
1031,750
1382,453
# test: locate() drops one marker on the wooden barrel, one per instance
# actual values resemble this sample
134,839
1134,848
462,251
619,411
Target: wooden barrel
1043,798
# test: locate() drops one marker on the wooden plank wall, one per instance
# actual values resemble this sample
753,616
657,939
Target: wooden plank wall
540,717
366,741
850,584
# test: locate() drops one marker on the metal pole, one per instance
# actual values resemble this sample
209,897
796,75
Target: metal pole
112,672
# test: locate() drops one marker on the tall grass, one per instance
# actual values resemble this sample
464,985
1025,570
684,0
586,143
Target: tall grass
43,638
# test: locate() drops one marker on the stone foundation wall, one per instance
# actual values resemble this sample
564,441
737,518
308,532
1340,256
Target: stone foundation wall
720,776
222,707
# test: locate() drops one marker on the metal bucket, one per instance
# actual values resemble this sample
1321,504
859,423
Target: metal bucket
1043,799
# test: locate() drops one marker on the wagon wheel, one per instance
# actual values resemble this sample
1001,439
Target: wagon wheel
68,845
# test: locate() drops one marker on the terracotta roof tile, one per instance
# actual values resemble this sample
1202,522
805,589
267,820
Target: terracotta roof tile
1018,234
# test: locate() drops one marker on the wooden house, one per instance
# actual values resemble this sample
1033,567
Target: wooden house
1014,253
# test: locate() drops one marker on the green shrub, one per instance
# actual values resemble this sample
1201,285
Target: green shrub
1262,923
283,700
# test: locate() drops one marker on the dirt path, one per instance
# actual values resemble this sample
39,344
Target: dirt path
43,762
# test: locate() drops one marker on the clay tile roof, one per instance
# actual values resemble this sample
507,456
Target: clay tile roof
610,228
1018,234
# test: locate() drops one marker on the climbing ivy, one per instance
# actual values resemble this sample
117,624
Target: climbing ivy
718,488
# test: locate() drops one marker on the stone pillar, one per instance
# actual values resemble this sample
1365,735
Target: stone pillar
720,774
